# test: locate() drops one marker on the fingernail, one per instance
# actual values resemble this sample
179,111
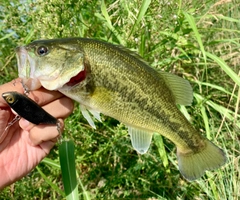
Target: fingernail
24,123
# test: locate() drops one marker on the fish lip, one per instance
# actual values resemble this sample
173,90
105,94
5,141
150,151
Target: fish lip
21,50
21,57
26,64
26,68
58,84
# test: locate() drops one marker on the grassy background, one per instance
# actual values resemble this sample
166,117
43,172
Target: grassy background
198,41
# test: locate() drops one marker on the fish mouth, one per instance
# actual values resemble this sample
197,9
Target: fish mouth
26,68
21,60
78,78
26,65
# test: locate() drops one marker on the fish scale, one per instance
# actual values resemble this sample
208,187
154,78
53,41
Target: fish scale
119,84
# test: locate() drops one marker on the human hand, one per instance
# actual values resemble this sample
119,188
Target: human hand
23,145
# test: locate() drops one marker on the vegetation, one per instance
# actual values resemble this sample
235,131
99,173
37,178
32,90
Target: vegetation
198,41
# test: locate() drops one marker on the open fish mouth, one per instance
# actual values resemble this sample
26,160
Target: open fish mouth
21,62
26,65
77,79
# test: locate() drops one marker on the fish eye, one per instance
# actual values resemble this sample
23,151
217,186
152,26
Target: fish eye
42,50
10,99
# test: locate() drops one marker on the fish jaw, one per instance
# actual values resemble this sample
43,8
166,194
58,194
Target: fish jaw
35,73
26,65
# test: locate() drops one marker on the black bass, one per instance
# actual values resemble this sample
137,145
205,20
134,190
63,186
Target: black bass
108,79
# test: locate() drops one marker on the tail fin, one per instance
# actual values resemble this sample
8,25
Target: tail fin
193,165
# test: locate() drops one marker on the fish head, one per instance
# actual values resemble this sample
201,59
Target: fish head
50,63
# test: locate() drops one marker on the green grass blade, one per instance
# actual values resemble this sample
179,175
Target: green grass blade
142,45
105,13
109,23
222,89
85,193
29,36
184,112
51,163
162,152
225,68
204,116
7,36
222,110
214,188
230,19
53,186
141,13
67,162
192,24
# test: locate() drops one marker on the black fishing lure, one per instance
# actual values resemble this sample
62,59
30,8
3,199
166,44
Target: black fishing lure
28,109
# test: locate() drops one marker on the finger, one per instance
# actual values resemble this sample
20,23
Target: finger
14,85
41,96
60,108
25,124
42,133
47,146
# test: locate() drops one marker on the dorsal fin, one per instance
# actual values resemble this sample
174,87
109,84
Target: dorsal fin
180,88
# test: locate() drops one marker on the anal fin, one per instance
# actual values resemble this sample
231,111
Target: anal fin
140,139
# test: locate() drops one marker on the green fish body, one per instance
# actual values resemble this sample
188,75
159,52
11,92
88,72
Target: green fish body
108,79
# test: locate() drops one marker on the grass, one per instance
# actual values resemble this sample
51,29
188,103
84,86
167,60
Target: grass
198,41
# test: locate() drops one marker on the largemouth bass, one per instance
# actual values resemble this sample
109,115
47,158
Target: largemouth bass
108,79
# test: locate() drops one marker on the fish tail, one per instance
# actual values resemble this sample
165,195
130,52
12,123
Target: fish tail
193,165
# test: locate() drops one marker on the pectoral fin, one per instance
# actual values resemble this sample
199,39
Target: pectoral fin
140,139
96,114
86,115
